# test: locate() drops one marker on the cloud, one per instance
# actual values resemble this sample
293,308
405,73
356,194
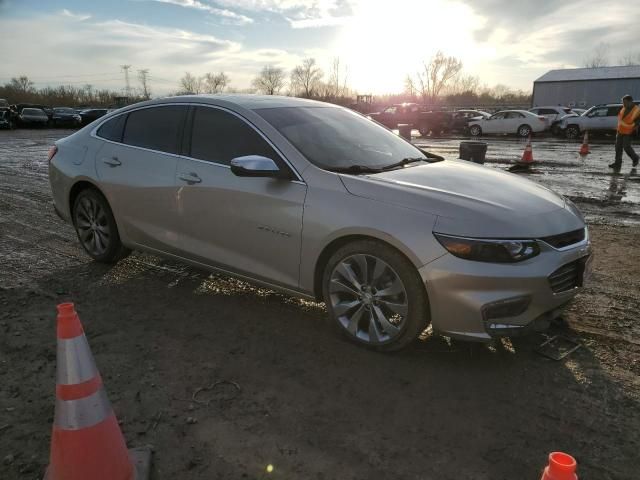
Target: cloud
300,13
227,16
75,16
74,53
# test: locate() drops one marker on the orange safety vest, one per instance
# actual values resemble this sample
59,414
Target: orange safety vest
626,124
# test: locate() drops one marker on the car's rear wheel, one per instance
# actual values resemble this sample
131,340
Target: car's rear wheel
96,227
524,131
572,132
375,296
475,130
424,130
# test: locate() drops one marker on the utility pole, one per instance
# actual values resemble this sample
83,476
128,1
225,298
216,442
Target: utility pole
127,88
142,76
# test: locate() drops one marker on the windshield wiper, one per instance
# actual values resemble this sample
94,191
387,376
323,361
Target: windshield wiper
355,169
405,161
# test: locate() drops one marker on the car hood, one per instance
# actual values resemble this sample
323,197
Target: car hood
470,200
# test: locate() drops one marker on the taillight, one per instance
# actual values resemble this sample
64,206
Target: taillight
52,151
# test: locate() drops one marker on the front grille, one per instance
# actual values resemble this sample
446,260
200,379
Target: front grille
565,239
568,277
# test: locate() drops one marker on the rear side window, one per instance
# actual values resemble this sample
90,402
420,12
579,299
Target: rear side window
218,136
156,128
112,129
547,111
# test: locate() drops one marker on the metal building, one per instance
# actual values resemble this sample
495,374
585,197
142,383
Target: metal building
585,87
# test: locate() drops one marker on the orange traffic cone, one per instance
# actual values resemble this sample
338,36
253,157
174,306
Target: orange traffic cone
584,149
527,155
86,442
561,467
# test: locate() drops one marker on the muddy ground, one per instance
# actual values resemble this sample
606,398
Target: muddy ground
294,395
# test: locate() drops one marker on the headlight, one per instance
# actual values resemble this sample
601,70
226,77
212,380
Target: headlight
486,250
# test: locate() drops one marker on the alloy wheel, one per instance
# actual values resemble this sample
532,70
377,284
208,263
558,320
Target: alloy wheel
368,298
92,225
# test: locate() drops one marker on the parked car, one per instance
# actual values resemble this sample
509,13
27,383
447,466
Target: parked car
552,114
6,120
518,122
598,119
318,201
459,120
33,117
45,108
424,120
4,103
92,114
64,116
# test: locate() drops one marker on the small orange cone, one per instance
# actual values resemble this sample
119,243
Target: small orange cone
584,149
561,467
86,442
527,155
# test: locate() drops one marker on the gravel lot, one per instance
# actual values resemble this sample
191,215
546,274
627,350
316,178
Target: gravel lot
294,395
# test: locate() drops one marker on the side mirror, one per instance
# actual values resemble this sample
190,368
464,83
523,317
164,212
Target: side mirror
257,166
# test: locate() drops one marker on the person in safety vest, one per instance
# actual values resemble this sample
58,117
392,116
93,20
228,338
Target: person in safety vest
628,120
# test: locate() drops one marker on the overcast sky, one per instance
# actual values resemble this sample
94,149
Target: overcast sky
378,41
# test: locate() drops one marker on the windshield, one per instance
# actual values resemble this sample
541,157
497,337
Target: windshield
64,110
32,111
336,138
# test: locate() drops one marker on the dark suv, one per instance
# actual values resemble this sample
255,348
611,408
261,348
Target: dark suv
64,116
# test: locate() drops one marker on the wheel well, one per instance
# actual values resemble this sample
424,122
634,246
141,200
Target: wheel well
330,249
75,191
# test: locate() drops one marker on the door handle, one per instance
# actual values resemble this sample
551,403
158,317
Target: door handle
189,178
112,162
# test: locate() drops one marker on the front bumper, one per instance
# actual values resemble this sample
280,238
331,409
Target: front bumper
480,301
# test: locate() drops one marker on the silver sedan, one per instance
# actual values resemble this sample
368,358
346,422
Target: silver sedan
316,200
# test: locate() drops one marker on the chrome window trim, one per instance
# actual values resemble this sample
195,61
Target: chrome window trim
94,134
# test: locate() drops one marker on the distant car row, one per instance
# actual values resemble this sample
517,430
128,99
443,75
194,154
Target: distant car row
559,120
29,115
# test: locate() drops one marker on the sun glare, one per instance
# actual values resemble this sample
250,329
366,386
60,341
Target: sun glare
386,41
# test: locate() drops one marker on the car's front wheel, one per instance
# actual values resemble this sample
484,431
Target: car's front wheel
475,130
524,131
96,227
572,132
375,296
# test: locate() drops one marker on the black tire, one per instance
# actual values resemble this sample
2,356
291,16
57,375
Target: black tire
417,316
475,130
524,131
96,228
424,130
572,132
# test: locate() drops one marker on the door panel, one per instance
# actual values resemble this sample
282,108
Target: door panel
141,189
250,225
137,170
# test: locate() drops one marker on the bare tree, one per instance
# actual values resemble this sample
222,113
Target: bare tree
463,84
305,78
270,80
190,83
630,59
21,83
337,86
143,76
599,57
410,87
436,75
214,82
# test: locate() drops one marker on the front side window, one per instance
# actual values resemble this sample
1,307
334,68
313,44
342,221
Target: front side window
599,112
336,138
156,128
390,110
218,136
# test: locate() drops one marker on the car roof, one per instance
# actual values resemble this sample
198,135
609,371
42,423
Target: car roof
248,101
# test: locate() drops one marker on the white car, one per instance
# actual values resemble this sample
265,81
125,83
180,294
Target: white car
519,122
598,119
551,113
